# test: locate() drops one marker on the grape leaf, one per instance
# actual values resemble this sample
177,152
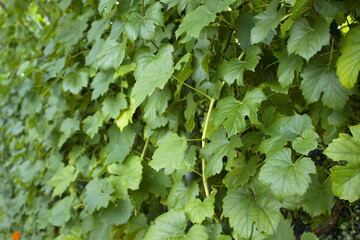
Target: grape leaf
317,79
318,198
101,83
244,24
144,26
112,105
61,180
61,211
97,194
154,75
157,104
75,81
288,65
96,30
283,231
189,112
348,64
306,40
219,147
171,225
266,21
170,154
68,127
197,211
180,195
287,178
240,172
231,112
346,179
328,8
308,236
244,209
295,126
126,175
201,16
91,124
111,54
306,142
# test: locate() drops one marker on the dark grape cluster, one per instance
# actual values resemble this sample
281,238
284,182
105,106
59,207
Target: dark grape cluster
317,156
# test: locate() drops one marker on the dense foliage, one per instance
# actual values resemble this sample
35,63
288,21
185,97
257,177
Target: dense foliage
179,119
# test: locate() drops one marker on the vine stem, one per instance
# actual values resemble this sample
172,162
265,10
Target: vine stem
196,90
203,141
144,149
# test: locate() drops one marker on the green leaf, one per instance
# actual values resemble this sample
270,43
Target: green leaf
231,112
68,127
101,83
288,64
126,175
244,24
197,211
106,5
195,21
91,124
295,126
318,198
189,112
154,75
180,195
328,8
266,21
91,57
157,104
219,147
244,209
112,105
240,172
283,231
97,194
75,81
61,180
317,79
306,142
234,69
111,54
217,6
170,154
346,179
287,178
306,40
71,31
348,64
96,30
171,225
308,236
144,26
61,211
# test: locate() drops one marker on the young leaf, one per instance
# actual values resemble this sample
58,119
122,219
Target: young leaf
219,147
91,124
75,81
266,21
348,64
101,83
62,179
170,154
287,178
306,142
111,54
288,64
194,21
126,175
244,209
231,112
171,225
283,231
306,40
197,211
323,195
317,79
346,179
97,194
180,195
154,75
